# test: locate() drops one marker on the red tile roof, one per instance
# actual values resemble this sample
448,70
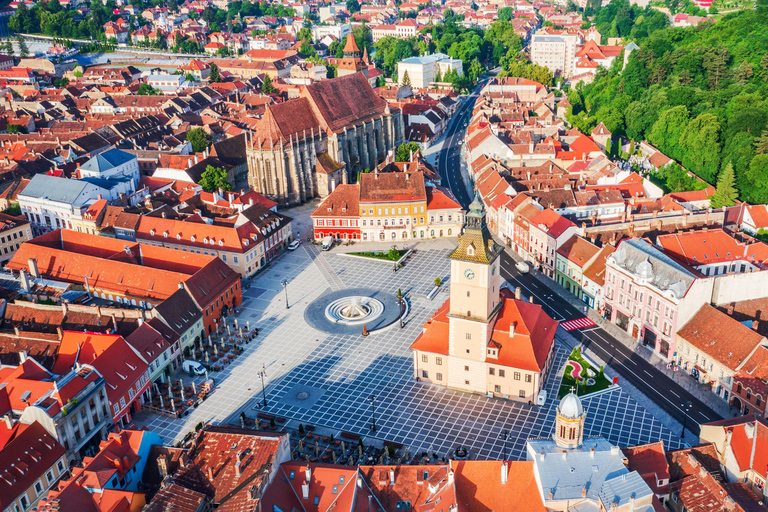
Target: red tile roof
439,198
425,487
480,489
554,224
711,246
650,461
26,458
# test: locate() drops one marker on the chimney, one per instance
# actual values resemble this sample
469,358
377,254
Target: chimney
504,473
517,293
530,299
197,160
189,163
407,177
308,474
32,262
162,465
583,229
592,453
237,468
210,473
59,332
755,324
541,455
512,326
584,492
391,476
8,420
305,491
730,308
24,280
22,356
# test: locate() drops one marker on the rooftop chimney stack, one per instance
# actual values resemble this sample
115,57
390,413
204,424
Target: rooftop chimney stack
504,473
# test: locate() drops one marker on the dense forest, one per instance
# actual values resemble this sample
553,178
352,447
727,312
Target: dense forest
697,93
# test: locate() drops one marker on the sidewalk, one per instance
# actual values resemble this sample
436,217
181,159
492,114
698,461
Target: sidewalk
702,392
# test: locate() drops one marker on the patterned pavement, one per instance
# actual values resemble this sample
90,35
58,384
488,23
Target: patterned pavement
338,373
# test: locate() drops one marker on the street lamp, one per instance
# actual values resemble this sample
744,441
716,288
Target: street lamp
686,409
504,436
372,398
394,261
285,287
263,374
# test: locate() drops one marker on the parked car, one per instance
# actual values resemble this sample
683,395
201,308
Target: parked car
542,397
294,245
327,243
193,367
522,267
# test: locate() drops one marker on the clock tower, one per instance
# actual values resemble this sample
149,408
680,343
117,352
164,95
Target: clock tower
475,300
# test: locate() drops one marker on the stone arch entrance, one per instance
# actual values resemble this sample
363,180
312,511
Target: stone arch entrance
736,403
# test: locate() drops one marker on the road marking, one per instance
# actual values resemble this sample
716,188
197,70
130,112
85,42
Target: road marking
647,373
578,323
678,396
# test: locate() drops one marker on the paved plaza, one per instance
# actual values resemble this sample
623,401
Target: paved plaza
326,379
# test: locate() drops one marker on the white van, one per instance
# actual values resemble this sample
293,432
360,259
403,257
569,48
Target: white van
193,367
327,243
522,267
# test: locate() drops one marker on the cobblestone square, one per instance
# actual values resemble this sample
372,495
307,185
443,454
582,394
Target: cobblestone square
339,372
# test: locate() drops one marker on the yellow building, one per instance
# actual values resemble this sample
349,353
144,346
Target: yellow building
396,206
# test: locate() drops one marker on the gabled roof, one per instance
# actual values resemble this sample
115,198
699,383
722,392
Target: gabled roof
55,189
479,487
342,202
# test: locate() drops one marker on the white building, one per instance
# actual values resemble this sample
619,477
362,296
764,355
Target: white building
112,164
49,202
338,31
555,52
423,70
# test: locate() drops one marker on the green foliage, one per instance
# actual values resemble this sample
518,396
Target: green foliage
673,178
16,128
189,77
505,13
200,139
60,82
404,151
214,178
14,209
406,79
528,70
391,255
266,86
438,281
23,49
696,93
726,189
214,75
147,90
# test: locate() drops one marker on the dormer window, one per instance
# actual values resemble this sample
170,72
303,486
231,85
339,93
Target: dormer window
165,234
246,242
178,236
221,243
193,238
152,232
205,240
470,250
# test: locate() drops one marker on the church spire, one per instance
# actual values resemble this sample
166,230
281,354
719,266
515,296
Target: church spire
476,243
351,50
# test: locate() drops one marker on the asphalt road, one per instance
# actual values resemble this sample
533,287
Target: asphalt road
659,388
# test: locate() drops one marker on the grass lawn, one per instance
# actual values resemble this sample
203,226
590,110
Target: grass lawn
391,255
577,364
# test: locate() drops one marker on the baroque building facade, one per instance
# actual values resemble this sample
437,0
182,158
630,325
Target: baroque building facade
304,147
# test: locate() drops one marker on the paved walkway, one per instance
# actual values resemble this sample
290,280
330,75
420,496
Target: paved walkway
327,379
702,392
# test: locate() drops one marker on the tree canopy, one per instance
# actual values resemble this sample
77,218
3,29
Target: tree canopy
214,178
405,150
199,138
697,93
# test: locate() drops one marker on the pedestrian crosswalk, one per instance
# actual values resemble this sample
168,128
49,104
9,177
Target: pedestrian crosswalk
579,323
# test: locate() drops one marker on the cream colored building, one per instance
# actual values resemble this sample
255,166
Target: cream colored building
14,231
480,340
423,70
557,52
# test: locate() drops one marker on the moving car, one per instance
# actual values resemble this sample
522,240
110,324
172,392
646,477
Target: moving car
327,243
294,245
193,367
522,267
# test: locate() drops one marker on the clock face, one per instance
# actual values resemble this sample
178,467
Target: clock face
469,273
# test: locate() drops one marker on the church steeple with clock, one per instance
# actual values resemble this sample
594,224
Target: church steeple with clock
475,283
475,268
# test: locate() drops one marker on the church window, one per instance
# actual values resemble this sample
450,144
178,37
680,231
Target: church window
572,433
562,431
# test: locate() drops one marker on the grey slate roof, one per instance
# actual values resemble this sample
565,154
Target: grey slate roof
107,160
565,472
54,188
647,262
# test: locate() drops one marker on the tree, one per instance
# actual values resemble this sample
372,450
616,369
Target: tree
214,74
266,86
505,14
726,194
9,47
761,143
199,138
406,79
189,77
23,50
405,150
353,6
147,90
214,178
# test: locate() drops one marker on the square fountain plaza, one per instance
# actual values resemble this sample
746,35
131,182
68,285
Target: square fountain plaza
326,379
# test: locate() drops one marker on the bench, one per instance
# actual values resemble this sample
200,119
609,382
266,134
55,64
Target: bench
265,416
351,436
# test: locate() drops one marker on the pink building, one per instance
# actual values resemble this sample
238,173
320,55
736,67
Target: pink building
649,294
548,231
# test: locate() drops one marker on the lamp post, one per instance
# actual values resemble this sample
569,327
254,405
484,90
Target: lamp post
686,409
263,374
285,287
394,262
504,436
372,398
